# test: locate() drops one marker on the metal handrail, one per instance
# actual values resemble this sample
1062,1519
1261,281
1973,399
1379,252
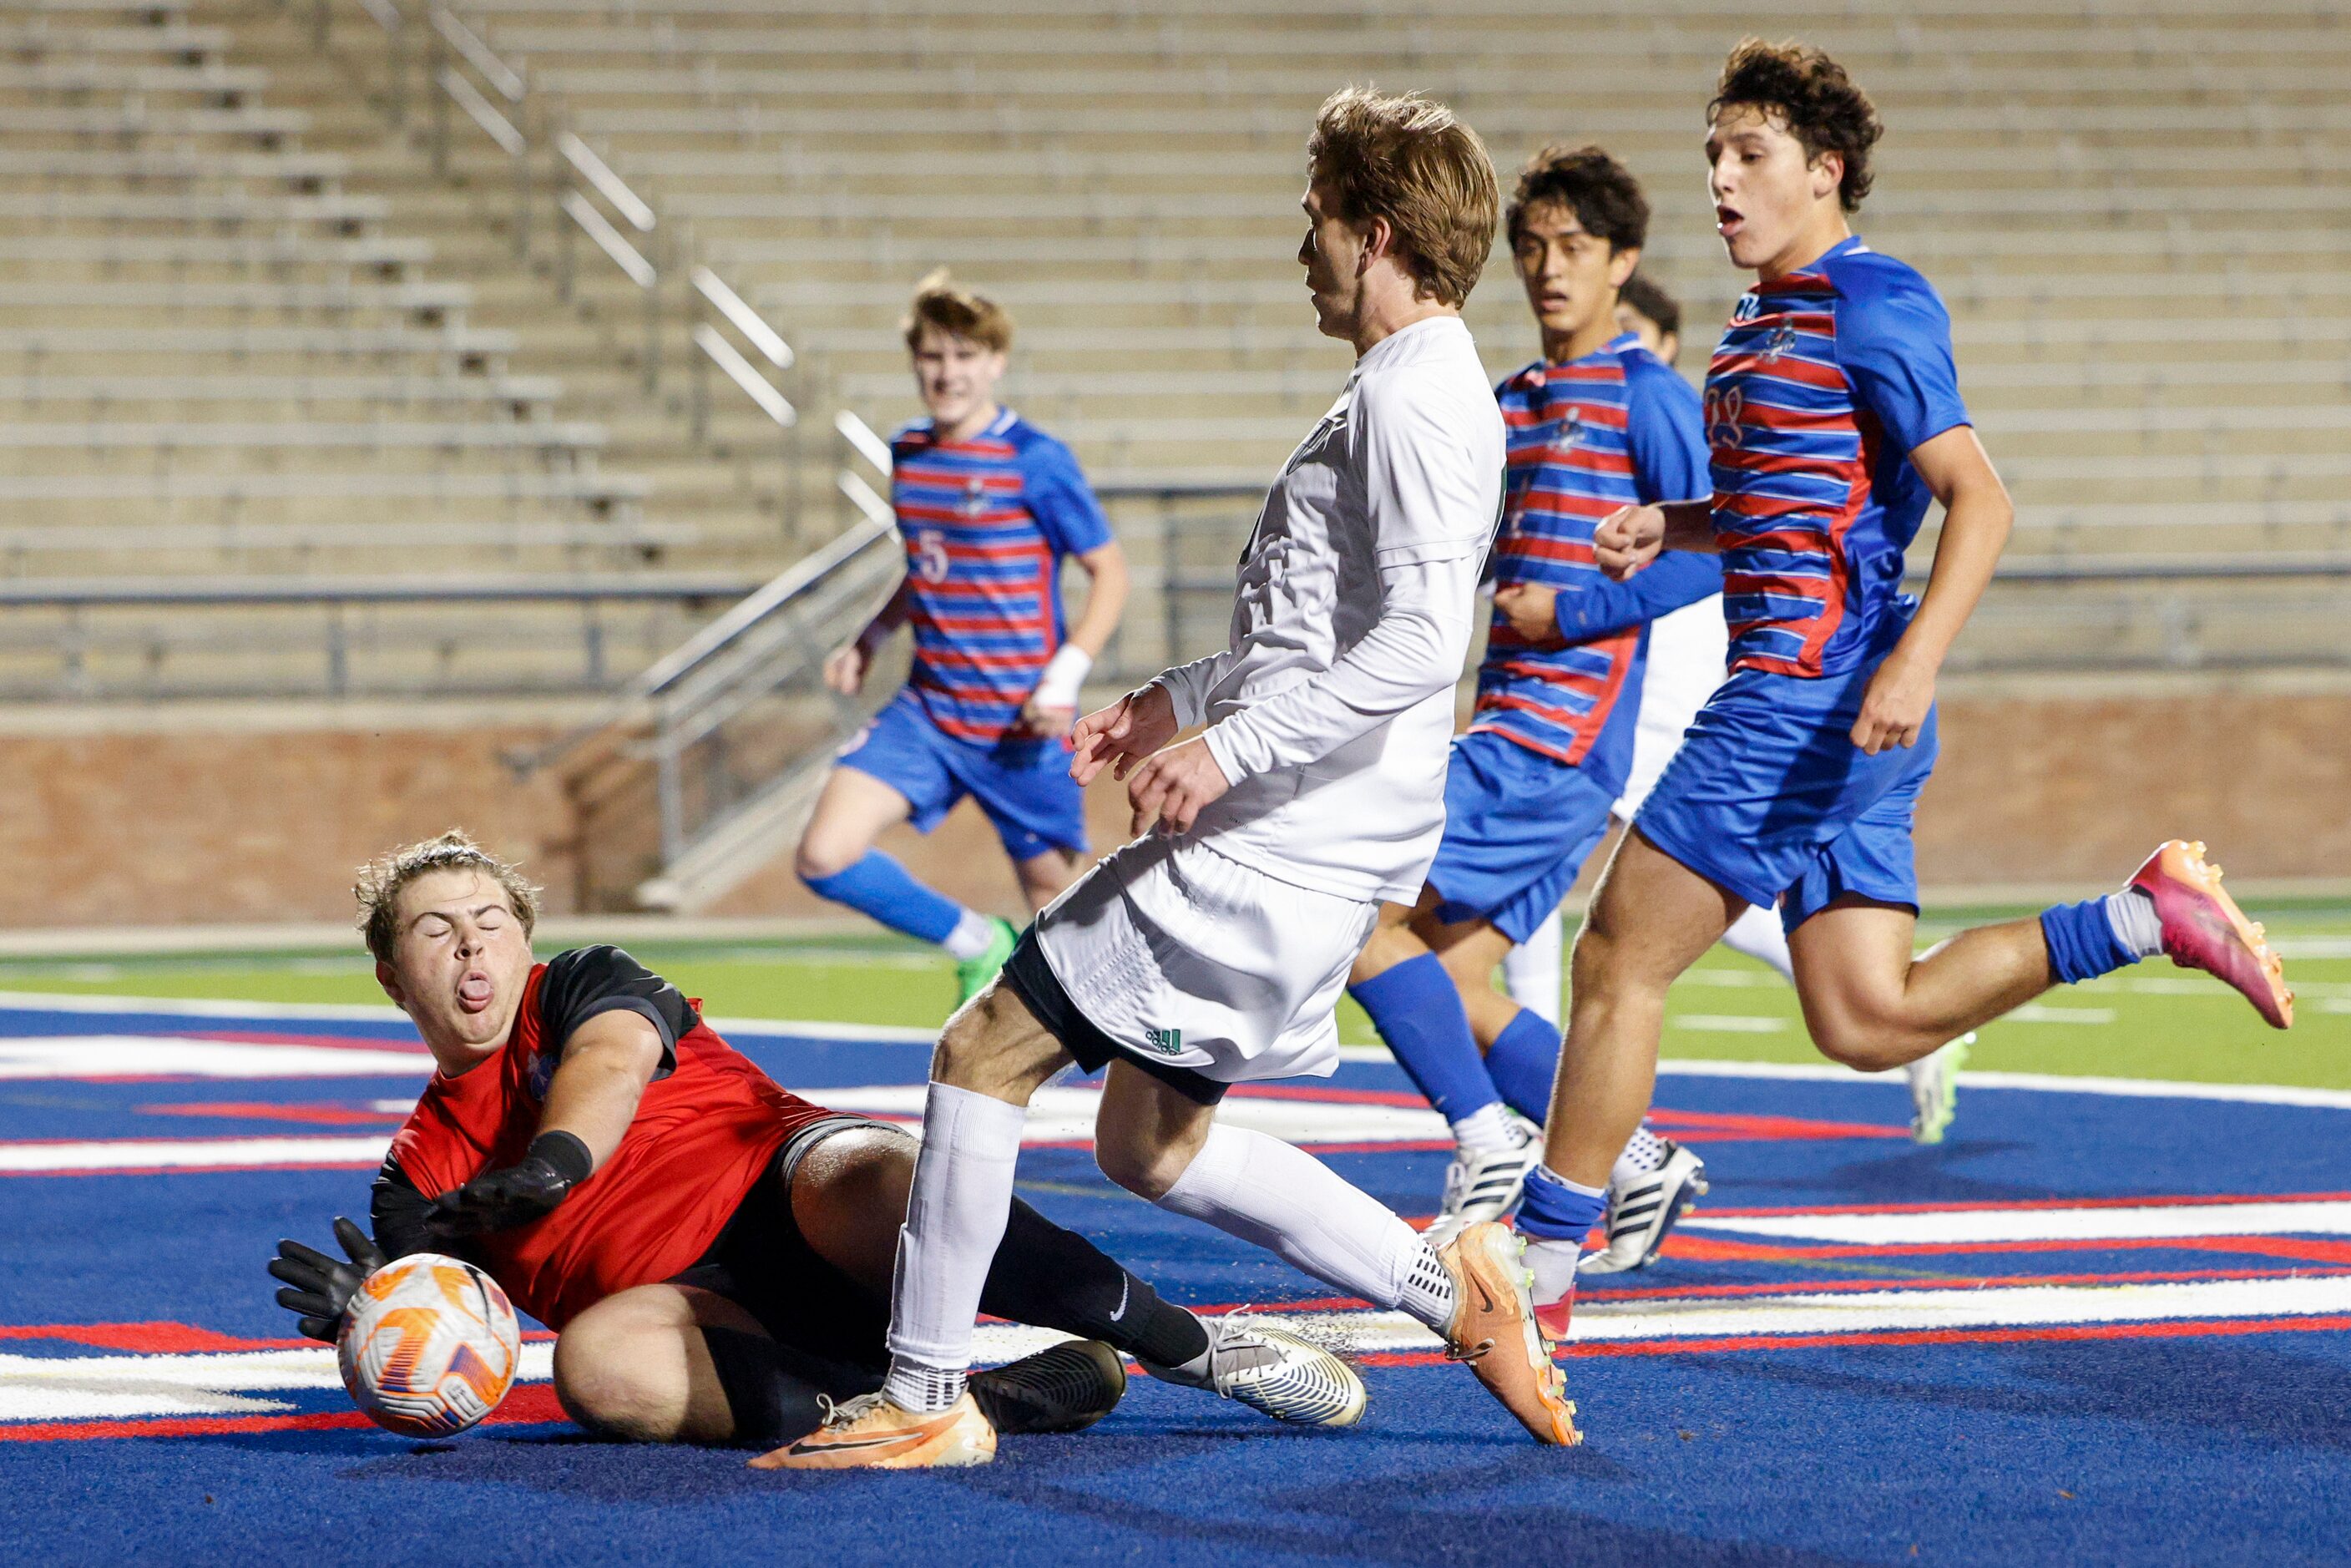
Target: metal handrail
609,185
745,320
449,34
755,608
575,589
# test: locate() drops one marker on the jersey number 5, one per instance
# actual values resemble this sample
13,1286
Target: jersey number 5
930,553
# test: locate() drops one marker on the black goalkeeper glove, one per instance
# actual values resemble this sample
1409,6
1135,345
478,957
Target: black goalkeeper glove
513,1195
322,1287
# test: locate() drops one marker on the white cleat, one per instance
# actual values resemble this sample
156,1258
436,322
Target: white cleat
1935,1089
1274,1372
1640,1215
1486,1184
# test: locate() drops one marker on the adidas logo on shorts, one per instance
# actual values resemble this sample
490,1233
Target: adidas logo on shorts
1166,1041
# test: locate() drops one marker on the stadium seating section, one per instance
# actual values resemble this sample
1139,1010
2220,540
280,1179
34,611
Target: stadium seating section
230,340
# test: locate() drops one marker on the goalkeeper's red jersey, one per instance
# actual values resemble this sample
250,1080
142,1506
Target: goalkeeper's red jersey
709,1123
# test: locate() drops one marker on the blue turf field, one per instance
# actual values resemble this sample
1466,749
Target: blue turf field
2093,1327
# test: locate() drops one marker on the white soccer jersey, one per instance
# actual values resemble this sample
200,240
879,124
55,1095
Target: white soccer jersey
1332,709
1688,651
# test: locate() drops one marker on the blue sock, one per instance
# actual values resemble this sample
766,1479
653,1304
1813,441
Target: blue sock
881,887
1523,1062
1419,1015
1554,1210
2082,941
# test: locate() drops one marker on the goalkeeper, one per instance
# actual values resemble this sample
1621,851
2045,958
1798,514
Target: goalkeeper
713,1252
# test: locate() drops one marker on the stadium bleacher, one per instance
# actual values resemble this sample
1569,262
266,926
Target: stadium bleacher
2153,245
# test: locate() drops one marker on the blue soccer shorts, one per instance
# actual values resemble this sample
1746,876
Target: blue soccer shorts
1023,782
1518,827
1770,799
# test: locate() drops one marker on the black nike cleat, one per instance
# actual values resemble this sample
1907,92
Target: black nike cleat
1065,1387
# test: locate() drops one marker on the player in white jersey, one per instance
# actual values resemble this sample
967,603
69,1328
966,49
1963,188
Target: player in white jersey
1656,1179
1212,949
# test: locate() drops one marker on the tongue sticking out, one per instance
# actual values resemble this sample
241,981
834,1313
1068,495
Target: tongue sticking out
474,992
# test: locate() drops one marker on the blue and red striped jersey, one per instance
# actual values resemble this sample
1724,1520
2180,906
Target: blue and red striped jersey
1825,383
1608,430
986,522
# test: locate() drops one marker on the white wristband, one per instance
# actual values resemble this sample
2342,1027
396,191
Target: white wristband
1065,672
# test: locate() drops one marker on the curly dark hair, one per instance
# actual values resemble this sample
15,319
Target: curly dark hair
1601,192
1652,301
1823,107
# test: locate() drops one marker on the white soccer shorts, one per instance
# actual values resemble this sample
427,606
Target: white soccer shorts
1184,957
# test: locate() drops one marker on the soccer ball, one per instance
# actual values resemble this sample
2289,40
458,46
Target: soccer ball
428,1347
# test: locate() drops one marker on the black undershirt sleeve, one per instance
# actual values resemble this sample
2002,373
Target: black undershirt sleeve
587,981
397,1212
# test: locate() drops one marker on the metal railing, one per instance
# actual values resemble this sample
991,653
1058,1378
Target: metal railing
587,197
70,640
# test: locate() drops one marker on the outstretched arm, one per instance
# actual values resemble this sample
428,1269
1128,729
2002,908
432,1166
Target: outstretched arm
1549,616
845,667
1977,517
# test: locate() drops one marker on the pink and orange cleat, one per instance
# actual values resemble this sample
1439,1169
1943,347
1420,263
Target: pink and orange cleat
2204,929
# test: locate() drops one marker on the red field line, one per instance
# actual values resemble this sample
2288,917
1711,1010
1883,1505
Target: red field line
1688,1249
2183,1329
164,1338
2176,1201
268,1111
527,1403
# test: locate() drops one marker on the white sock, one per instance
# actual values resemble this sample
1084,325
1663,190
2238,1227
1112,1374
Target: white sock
954,1220
970,937
1530,971
1552,1263
2136,925
1287,1201
1486,1129
1644,1153
1759,934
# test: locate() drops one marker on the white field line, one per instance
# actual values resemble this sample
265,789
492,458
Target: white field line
814,1030
157,1055
1057,1115
364,1152
118,1386
238,1383
1959,1227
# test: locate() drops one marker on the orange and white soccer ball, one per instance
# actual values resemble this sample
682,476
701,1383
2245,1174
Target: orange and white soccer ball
428,1345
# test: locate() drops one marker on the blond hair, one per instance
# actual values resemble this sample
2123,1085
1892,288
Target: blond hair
380,880
1407,159
940,301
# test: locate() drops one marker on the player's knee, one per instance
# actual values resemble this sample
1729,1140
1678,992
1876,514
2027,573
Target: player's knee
1862,1040
609,1393
822,855
1144,1169
994,1047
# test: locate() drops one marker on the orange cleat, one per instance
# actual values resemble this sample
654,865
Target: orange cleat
1551,1317
2204,929
869,1433
1494,1330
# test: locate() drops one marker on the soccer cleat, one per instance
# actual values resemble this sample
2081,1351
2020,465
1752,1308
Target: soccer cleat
869,1433
1935,1089
1642,1212
1484,1184
1274,1372
1553,1317
1065,1387
972,975
1494,1330
2204,929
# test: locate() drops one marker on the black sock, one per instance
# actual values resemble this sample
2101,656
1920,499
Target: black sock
1056,1279
773,1389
